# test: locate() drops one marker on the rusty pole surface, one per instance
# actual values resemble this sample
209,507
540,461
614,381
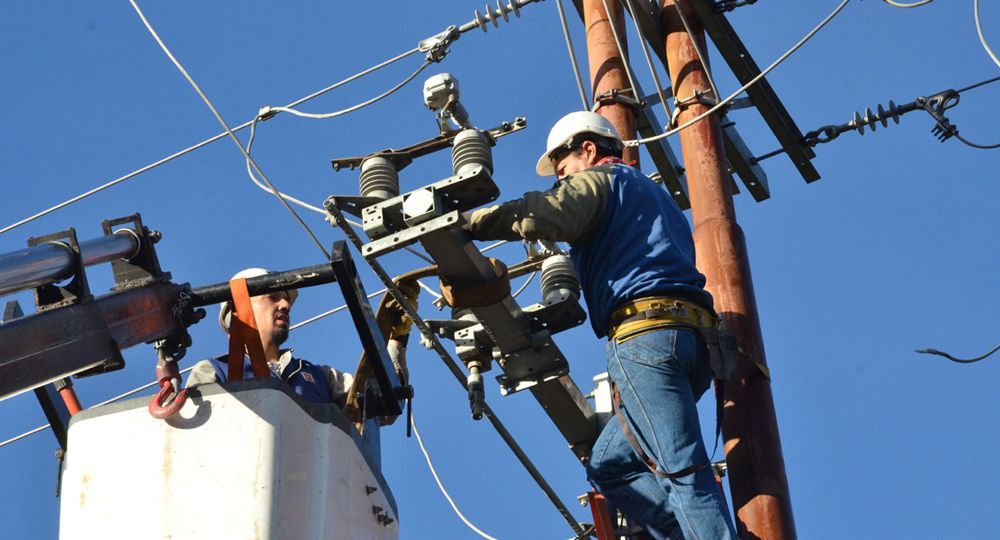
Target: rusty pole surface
753,448
607,70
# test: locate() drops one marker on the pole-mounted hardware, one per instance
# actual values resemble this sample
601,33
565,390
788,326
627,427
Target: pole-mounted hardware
517,339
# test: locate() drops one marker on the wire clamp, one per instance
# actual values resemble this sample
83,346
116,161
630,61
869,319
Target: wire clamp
266,113
936,105
617,96
702,97
436,47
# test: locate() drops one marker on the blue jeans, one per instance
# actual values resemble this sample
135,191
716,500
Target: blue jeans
660,375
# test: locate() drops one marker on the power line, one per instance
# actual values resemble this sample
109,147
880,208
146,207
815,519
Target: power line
982,38
293,200
761,75
621,50
353,108
437,479
702,57
907,6
203,143
958,360
967,142
225,126
978,84
572,55
649,59
101,404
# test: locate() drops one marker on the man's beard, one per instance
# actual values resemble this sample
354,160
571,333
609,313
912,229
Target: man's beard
279,335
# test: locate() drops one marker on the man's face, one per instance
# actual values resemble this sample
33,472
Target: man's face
567,163
272,314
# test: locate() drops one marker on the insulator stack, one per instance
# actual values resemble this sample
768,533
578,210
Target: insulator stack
859,122
379,178
470,150
558,278
493,15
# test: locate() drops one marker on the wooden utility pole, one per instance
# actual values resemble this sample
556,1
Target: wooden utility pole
755,464
607,68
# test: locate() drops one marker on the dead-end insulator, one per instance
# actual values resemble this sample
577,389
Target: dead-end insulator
379,178
471,149
559,279
493,15
859,122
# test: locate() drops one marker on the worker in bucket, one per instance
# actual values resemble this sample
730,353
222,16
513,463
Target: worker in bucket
633,251
272,313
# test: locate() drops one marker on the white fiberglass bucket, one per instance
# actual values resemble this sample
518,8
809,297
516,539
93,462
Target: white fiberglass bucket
247,460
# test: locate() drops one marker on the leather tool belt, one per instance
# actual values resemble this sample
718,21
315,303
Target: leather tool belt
655,312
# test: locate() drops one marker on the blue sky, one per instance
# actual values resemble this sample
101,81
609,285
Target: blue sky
892,250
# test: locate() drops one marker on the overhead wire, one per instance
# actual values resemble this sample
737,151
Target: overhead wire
359,106
977,85
293,200
524,285
229,130
702,56
959,360
982,37
203,143
967,142
572,55
430,465
101,404
962,139
649,60
621,51
435,294
905,6
753,81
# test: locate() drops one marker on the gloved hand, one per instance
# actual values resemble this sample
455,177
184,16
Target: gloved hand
392,316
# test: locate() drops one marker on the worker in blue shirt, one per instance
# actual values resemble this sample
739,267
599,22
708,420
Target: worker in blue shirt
632,248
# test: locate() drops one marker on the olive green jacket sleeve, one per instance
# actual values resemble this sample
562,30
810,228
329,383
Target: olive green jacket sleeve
566,213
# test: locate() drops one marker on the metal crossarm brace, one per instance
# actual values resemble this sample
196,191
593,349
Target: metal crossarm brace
666,162
737,154
762,94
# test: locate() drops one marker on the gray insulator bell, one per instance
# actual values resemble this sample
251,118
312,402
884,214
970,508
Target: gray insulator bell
470,149
559,279
379,178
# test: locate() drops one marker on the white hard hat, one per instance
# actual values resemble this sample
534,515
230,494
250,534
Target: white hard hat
226,308
569,126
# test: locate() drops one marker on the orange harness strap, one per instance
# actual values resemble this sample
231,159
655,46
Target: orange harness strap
243,334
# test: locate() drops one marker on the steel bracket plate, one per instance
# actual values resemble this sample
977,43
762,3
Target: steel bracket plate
532,365
557,316
749,171
735,53
510,385
411,235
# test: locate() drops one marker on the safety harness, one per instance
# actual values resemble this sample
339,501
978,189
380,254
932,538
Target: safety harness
244,335
649,314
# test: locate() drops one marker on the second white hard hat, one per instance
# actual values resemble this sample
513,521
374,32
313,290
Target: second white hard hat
568,127
226,308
